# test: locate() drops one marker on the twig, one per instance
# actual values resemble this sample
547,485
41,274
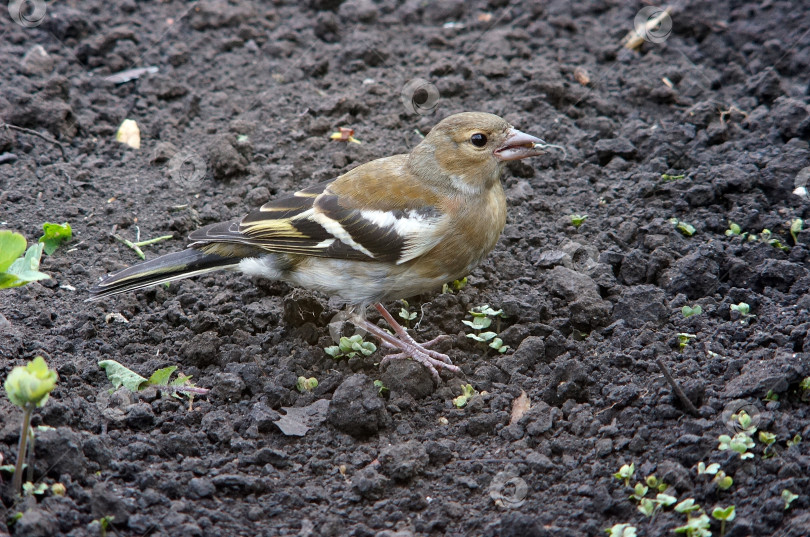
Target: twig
8,126
677,388
131,245
155,240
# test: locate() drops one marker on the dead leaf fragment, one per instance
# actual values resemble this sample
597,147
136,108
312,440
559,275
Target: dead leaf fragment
344,134
519,407
297,421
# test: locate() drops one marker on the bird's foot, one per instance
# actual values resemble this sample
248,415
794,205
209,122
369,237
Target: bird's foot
420,355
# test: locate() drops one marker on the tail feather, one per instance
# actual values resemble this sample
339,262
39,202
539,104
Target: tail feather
166,268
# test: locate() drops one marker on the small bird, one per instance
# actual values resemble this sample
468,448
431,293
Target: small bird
389,229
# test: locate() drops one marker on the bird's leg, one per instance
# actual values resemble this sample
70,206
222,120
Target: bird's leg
410,348
406,337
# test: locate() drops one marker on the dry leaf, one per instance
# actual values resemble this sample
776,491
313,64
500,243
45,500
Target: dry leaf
519,407
129,133
298,421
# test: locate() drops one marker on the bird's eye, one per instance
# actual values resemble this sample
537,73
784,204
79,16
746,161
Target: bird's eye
478,139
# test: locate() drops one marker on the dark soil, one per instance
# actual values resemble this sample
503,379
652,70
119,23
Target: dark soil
247,94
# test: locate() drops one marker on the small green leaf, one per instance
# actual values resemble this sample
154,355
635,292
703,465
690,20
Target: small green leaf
578,219
26,268
161,376
665,499
55,235
788,497
687,506
795,228
726,514
333,351
12,246
30,384
121,375
688,311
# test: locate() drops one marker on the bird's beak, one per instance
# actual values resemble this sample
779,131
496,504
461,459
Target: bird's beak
520,145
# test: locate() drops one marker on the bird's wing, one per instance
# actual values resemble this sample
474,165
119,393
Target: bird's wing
326,220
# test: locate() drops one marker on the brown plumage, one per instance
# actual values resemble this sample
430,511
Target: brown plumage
388,229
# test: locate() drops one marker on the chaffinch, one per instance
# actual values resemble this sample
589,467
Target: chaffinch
389,229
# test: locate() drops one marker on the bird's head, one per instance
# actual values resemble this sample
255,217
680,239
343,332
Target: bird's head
470,148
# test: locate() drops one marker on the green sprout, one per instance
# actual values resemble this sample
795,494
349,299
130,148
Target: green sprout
710,469
54,235
304,384
454,286
15,270
794,441
667,177
745,420
621,530
684,339
696,526
578,219
28,387
121,375
723,515
795,228
739,443
136,246
381,389
625,473
58,489
29,489
688,311
788,497
104,524
405,314
768,439
743,309
351,347
648,507
804,386
656,484
467,393
770,396
482,319
733,229
720,479
766,236
685,229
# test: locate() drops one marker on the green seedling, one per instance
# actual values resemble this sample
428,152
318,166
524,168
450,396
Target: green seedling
639,491
649,507
29,489
688,311
684,339
768,439
710,469
744,310
667,177
304,384
723,515
745,420
381,389
54,235
15,270
656,484
766,236
804,386
121,375
58,489
482,319
350,347
621,530
770,396
578,219
696,526
467,393
454,286
28,387
739,443
104,524
795,228
788,497
685,229
405,314
723,481
733,229
794,441
625,473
